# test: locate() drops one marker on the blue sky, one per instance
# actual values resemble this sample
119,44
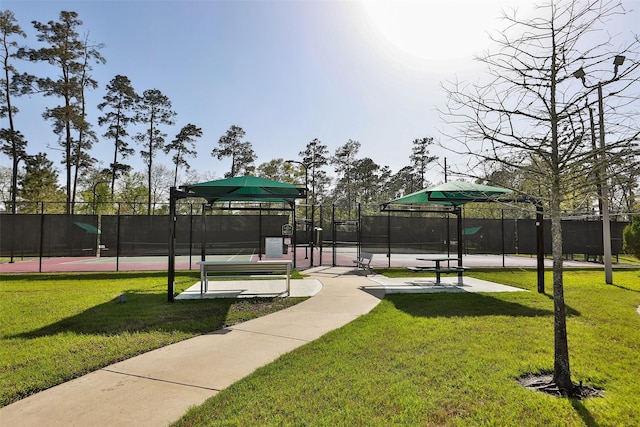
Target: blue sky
285,71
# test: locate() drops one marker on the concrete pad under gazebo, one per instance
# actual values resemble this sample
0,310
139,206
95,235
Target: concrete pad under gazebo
243,188
257,288
450,196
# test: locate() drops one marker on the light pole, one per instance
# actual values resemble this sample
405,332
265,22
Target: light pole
604,197
306,206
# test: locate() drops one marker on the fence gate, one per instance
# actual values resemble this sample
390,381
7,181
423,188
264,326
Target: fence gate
345,235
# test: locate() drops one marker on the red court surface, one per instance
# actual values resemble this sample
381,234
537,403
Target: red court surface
304,256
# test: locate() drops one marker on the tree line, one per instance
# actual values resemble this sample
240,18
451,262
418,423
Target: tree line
129,120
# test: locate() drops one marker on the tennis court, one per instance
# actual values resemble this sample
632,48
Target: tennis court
343,257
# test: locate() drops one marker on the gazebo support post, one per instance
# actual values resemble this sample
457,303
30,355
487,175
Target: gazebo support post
294,236
458,211
203,233
172,243
260,237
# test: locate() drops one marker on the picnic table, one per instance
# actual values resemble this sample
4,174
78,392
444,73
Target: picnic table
438,269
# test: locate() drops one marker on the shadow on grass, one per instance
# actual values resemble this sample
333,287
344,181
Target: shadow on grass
625,288
584,413
142,312
464,304
113,275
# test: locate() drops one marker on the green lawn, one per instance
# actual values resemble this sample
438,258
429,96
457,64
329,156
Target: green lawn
452,360
55,327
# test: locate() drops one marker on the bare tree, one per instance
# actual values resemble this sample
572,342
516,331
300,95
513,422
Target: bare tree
531,115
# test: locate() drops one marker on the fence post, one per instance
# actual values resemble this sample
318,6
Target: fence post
118,240
41,236
190,233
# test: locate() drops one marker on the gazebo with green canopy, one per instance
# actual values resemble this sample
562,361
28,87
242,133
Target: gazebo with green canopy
241,188
453,195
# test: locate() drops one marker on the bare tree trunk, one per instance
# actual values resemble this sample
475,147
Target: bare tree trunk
561,368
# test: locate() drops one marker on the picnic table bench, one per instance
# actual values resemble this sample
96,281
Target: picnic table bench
438,269
273,268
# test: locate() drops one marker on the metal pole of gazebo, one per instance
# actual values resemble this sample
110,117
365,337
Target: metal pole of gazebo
294,236
458,211
172,242
203,233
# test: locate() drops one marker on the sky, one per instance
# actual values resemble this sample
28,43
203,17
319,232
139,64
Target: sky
285,71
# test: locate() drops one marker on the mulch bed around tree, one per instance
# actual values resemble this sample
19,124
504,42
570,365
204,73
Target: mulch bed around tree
544,384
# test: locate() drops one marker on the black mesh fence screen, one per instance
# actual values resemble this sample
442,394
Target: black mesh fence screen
135,235
69,235
131,235
25,235
51,235
20,235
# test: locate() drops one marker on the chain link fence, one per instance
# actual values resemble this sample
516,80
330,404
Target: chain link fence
498,231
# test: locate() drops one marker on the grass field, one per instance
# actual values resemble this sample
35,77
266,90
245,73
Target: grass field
55,327
449,359
452,359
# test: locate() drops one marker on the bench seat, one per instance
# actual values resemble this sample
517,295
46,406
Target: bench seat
364,261
441,270
273,268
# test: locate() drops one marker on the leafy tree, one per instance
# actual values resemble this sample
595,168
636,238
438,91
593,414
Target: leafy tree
421,158
154,110
343,161
631,237
624,185
320,187
13,142
94,192
162,179
316,156
367,180
5,185
86,137
402,183
120,103
183,146
132,191
39,183
241,153
530,114
71,55
278,170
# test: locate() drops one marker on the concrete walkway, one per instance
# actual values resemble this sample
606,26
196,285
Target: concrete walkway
156,388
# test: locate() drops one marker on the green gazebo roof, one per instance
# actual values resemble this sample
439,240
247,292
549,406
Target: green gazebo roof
453,193
245,188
